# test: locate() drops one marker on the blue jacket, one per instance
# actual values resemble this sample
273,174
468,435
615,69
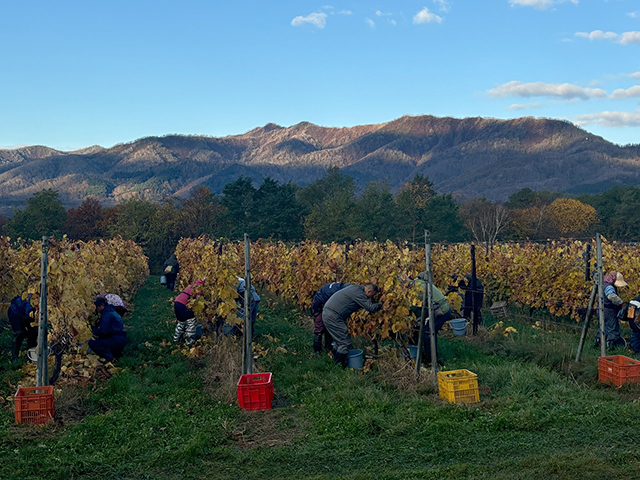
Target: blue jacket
110,324
324,294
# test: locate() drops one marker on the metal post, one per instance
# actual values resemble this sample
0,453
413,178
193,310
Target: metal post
474,314
247,364
427,300
587,321
603,346
587,260
42,374
432,316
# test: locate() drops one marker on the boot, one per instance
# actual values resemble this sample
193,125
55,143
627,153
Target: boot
15,349
328,342
317,343
340,358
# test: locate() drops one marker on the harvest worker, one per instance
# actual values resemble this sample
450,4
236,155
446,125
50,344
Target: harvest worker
254,301
442,311
20,315
338,309
319,330
473,297
613,304
632,313
187,325
110,337
116,302
171,269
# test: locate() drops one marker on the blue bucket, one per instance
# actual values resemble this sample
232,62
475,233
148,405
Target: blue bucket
459,326
355,359
413,351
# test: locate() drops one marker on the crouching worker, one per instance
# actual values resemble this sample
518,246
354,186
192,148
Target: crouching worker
20,315
442,311
339,308
187,325
109,333
319,330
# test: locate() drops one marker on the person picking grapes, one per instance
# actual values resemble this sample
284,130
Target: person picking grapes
187,325
613,304
319,300
110,336
339,308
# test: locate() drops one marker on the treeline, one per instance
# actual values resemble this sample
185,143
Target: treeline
330,209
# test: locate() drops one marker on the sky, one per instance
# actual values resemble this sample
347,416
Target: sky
101,72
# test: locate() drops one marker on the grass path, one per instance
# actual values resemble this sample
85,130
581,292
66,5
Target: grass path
166,416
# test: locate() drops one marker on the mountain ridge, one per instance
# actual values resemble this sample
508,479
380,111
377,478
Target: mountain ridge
470,157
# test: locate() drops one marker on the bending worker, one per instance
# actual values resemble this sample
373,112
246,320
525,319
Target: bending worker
338,309
319,300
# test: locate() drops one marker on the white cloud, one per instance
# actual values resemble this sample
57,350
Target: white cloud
541,89
625,38
317,19
444,6
634,14
634,75
610,119
393,22
628,93
523,106
539,4
382,14
597,35
425,16
370,22
630,37
345,12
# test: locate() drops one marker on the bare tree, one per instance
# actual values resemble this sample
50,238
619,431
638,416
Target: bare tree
485,220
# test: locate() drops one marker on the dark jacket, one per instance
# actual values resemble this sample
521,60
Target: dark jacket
110,324
19,313
610,308
172,261
324,294
350,299
472,298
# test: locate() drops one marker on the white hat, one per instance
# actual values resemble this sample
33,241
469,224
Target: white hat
620,280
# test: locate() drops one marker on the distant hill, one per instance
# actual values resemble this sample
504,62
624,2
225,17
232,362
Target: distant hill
467,157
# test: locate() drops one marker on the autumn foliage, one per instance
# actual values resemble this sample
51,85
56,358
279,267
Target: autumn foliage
545,276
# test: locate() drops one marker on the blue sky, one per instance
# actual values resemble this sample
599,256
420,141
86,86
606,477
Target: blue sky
79,73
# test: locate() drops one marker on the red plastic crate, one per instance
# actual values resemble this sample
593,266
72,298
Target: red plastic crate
618,369
255,391
34,405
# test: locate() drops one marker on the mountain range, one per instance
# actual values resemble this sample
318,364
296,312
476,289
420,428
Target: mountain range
469,157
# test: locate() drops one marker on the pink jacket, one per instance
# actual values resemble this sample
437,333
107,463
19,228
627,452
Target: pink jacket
185,295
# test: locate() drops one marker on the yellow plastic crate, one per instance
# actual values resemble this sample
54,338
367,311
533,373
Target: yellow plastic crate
458,386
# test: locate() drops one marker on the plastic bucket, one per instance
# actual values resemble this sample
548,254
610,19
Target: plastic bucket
413,351
459,326
163,280
355,359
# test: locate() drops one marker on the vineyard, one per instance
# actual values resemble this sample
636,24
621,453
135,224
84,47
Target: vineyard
541,276
77,273
165,414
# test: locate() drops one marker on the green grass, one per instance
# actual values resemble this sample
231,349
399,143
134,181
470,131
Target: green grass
165,416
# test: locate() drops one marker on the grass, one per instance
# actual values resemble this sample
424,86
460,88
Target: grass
166,416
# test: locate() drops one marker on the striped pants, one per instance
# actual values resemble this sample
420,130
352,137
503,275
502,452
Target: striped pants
186,330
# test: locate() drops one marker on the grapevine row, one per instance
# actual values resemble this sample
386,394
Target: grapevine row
550,277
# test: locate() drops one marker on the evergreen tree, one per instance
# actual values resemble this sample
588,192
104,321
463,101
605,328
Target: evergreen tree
44,215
